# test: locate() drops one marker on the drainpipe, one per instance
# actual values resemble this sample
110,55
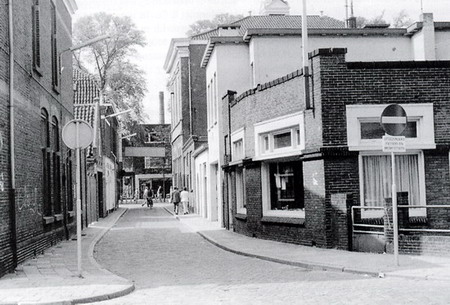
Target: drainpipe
12,192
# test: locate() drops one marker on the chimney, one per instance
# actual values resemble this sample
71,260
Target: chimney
161,107
351,22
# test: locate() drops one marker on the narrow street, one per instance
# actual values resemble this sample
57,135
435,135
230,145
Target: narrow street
171,264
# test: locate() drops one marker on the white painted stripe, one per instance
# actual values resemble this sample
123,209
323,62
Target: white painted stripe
393,120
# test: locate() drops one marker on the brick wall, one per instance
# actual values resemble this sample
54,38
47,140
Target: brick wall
198,90
32,92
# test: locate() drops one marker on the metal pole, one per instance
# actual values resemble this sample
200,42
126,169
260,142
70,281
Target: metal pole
394,210
78,176
305,56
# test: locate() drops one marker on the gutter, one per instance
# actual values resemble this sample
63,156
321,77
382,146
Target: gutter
12,192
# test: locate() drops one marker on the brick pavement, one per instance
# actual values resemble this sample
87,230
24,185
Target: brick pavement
172,264
146,246
52,278
415,267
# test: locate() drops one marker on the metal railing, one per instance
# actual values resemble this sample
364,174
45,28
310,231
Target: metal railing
358,227
363,225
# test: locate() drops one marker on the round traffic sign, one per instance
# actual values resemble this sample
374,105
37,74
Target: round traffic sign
393,120
77,134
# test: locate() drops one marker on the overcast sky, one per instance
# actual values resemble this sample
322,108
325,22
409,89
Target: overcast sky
163,20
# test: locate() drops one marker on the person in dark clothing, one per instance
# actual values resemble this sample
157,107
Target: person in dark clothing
175,198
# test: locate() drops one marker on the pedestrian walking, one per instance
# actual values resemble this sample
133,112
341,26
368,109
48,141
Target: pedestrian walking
158,193
185,200
148,194
175,198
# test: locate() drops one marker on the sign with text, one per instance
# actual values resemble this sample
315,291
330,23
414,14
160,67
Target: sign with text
394,144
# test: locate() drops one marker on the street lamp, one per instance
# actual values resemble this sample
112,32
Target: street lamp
77,148
82,45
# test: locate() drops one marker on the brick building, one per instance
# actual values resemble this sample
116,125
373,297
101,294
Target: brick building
258,49
187,91
147,161
318,176
35,167
99,164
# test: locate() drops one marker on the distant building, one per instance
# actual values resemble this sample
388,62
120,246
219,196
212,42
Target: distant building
147,161
100,164
187,90
36,171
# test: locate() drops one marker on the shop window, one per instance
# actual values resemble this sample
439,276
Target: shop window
282,185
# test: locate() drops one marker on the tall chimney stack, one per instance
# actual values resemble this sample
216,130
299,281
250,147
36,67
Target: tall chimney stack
161,107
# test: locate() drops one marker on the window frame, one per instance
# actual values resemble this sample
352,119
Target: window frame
268,129
36,37
147,162
422,185
236,136
239,188
266,196
54,47
421,113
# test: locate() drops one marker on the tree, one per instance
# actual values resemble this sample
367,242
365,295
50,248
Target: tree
127,88
362,21
402,20
201,26
118,78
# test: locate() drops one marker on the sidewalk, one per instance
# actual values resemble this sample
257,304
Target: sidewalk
370,264
52,278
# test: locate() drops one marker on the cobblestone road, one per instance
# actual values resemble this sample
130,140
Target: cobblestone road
172,265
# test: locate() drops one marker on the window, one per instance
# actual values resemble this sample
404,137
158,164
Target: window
238,149
238,145
46,163
282,184
374,130
36,33
54,47
280,140
364,131
56,167
376,180
279,137
147,162
153,137
241,206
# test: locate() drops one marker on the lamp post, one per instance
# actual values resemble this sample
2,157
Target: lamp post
82,45
72,131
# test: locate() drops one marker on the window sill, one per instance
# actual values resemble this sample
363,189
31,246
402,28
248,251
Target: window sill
285,220
59,217
71,213
240,216
48,219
